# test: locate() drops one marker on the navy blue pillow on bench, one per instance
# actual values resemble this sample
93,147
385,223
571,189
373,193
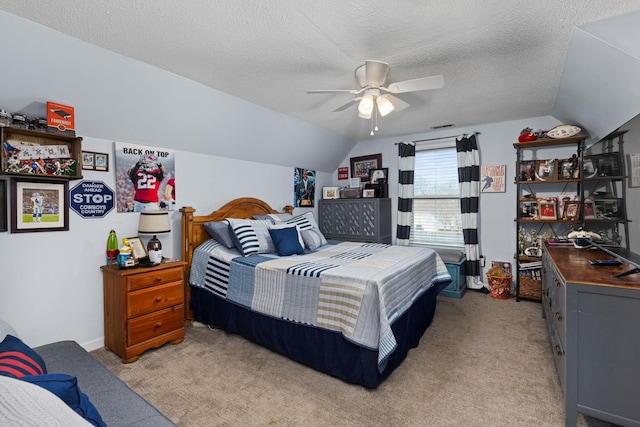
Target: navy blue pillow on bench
18,359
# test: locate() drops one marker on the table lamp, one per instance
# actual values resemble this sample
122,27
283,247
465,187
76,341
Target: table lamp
154,223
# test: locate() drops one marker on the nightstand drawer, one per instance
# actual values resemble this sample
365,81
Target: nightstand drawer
152,278
152,299
152,325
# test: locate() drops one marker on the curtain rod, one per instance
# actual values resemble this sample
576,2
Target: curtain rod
442,137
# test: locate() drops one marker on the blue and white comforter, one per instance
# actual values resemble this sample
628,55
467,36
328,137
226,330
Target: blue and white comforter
358,289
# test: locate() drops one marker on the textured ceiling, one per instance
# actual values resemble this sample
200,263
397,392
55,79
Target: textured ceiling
501,59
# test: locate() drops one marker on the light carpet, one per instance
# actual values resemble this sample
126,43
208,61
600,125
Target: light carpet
482,362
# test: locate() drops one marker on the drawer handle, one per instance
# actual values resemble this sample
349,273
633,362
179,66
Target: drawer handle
558,315
558,350
158,278
158,299
158,325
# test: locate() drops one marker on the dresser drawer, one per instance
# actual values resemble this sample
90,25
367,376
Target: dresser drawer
152,278
154,298
152,325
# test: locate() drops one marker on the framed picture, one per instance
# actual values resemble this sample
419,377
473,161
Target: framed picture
330,192
547,209
3,205
572,210
378,176
95,161
529,209
528,170
87,160
360,166
546,170
493,178
368,192
568,168
589,167
608,208
39,205
138,249
589,208
608,164
354,182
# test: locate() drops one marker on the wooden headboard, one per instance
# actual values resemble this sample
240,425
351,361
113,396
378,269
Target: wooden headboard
194,233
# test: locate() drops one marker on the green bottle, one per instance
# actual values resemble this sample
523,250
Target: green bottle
112,248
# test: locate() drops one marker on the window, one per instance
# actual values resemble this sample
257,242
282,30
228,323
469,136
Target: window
436,205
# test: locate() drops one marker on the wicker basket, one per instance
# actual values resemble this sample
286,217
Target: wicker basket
499,287
530,287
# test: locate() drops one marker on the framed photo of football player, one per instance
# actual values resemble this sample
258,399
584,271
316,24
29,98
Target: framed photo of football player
39,205
145,178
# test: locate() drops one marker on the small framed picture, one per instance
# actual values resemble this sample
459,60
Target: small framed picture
354,182
529,209
368,192
378,176
330,192
589,208
138,250
589,167
88,159
547,209
572,210
528,170
546,170
569,168
608,164
101,162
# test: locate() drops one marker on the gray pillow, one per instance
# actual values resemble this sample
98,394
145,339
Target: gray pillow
6,329
219,230
313,238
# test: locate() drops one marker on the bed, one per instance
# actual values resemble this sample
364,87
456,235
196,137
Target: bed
351,310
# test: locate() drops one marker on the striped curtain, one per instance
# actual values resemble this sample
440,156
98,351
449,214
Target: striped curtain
469,179
406,166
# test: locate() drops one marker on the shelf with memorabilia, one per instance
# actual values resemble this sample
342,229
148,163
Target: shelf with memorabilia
38,154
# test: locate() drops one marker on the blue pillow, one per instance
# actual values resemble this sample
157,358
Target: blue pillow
286,241
219,230
18,359
66,388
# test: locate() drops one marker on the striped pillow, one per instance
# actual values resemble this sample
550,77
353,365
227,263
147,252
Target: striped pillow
313,238
18,359
304,221
251,237
274,217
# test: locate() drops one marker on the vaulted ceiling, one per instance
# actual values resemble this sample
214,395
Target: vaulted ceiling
501,59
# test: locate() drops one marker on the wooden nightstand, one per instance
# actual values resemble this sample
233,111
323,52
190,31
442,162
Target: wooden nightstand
143,308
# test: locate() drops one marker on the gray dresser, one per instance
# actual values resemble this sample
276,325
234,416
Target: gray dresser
594,328
356,220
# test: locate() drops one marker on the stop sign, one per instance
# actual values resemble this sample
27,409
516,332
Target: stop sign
91,199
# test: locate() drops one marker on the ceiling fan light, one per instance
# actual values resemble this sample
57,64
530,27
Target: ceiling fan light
384,105
364,116
366,105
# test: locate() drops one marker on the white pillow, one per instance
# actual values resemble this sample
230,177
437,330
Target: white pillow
305,221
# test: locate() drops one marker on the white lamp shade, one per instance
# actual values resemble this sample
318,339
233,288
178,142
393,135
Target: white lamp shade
154,222
384,105
366,105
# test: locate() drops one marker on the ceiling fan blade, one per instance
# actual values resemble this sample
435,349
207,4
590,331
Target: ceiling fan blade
347,105
424,83
398,104
351,91
376,73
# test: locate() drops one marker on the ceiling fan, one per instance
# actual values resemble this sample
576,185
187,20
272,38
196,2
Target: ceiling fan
374,98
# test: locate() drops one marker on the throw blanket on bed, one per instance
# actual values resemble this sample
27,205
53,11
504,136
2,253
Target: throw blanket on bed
358,289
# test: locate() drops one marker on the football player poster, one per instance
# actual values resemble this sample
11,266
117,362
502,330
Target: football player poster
304,187
145,178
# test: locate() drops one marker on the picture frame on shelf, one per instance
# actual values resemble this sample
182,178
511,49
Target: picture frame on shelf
3,205
608,208
572,210
589,167
547,209
527,170
529,209
354,182
330,192
378,176
95,161
608,164
361,165
589,208
569,168
138,249
39,205
546,170
369,192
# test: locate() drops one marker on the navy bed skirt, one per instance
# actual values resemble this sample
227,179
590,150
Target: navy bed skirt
323,350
